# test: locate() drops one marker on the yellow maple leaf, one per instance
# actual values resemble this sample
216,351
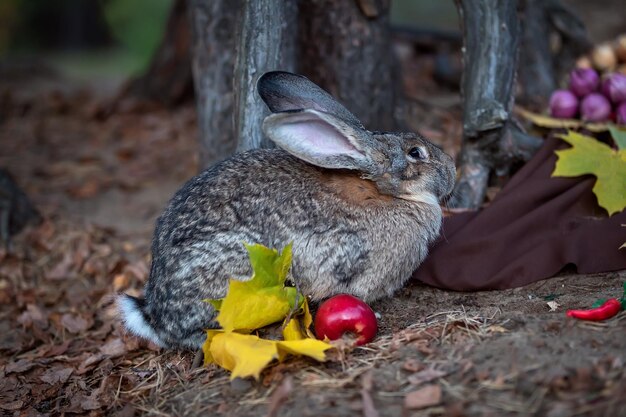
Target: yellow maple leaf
589,156
263,299
293,330
242,354
312,348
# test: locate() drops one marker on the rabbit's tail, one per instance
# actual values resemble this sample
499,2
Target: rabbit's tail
132,311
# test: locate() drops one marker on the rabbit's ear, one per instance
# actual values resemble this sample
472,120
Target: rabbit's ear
320,139
284,91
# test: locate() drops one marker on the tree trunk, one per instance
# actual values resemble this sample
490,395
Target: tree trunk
345,48
214,27
536,69
490,139
267,42
540,64
168,80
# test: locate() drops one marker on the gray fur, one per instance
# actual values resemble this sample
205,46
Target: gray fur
368,248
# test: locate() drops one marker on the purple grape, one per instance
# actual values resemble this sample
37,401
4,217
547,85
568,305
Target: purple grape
595,108
614,87
583,81
563,104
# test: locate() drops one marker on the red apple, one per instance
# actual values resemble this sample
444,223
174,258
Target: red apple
343,314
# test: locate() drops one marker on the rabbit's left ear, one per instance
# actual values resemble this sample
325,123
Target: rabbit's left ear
283,91
321,139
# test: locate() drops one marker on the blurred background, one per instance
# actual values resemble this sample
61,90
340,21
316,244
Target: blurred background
115,39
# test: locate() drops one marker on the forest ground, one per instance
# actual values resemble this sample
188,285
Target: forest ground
101,174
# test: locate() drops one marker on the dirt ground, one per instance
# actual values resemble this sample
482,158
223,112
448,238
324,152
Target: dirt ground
101,177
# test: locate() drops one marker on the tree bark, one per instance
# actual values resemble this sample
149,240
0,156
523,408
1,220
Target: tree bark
540,65
345,48
267,42
490,140
214,27
536,69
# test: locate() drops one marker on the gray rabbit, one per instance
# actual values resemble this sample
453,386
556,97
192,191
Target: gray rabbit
360,207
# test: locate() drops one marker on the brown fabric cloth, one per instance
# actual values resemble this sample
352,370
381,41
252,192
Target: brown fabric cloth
534,227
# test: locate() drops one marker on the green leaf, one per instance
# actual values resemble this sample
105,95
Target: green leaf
619,136
589,156
263,299
269,267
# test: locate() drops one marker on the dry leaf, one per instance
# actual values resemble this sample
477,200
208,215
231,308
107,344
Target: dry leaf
114,348
279,396
20,366
426,375
56,375
553,305
120,282
75,324
369,410
554,123
12,406
428,396
62,269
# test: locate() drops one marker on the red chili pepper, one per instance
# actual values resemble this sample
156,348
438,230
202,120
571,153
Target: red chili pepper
611,307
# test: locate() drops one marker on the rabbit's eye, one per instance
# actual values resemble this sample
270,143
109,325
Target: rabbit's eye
417,154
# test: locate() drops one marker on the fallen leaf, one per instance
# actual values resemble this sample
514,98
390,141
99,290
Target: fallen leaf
369,410
263,299
425,397
12,406
426,375
312,348
91,402
20,366
293,330
553,305
247,355
56,375
114,348
120,282
62,269
33,314
75,324
589,156
554,123
87,189
279,396
243,355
